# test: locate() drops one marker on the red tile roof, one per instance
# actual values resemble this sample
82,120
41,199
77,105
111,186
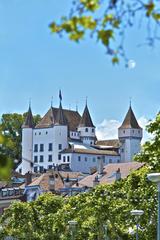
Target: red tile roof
108,173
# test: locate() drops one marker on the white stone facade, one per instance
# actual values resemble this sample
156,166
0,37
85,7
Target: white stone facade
44,147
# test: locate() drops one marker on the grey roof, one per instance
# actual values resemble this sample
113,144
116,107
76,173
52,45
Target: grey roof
90,151
29,122
130,120
73,118
86,120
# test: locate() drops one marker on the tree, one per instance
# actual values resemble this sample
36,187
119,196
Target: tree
11,129
108,22
150,152
5,161
47,218
10,141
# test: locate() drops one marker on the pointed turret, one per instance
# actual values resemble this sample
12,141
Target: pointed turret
86,120
130,136
60,118
29,122
86,128
130,120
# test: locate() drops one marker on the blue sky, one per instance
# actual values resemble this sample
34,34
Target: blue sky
35,64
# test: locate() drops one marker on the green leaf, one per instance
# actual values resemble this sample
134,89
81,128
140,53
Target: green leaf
115,60
105,36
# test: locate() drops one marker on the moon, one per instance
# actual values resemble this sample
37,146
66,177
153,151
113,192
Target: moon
131,64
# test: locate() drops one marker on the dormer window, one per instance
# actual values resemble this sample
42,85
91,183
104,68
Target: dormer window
92,130
86,130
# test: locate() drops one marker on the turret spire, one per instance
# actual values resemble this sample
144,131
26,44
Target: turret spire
29,122
130,120
86,120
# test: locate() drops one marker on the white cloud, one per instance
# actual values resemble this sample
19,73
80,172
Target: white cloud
108,129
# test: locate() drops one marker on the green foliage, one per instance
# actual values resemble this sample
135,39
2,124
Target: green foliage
5,162
11,129
10,141
151,149
47,218
105,19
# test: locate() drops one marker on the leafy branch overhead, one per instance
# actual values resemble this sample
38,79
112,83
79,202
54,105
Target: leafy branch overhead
108,21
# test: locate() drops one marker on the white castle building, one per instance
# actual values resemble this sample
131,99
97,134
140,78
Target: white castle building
64,137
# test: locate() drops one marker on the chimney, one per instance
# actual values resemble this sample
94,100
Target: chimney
51,182
95,181
100,165
67,182
118,175
28,179
72,147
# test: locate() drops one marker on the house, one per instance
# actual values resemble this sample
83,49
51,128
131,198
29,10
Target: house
57,182
108,174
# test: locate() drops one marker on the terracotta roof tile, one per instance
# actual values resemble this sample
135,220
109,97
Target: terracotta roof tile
109,170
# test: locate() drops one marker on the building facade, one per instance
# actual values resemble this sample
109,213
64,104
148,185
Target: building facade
65,137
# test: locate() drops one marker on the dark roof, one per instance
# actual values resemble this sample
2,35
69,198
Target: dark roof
73,118
60,118
130,120
29,122
109,143
90,151
86,120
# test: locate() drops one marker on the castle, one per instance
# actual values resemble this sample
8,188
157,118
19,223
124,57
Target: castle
65,138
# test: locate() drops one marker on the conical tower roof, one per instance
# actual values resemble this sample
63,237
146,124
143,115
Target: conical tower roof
29,122
130,120
60,117
86,120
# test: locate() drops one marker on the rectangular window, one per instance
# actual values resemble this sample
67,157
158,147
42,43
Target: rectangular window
35,169
79,158
41,169
35,159
94,159
35,147
41,158
68,158
50,147
86,130
64,158
49,166
41,147
49,158
86,159
59,156
60,146
110,160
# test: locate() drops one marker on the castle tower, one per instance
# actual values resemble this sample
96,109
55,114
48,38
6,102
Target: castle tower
27,142
60,136
130,136
86,128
